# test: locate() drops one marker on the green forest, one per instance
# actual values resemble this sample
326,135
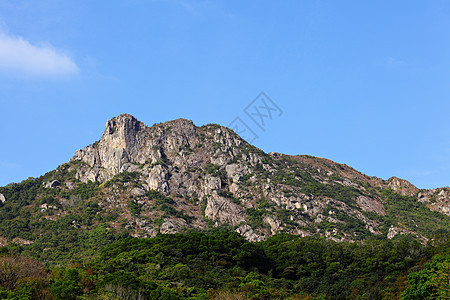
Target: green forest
221,264
79,255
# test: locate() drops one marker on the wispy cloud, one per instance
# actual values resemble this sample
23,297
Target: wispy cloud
20,58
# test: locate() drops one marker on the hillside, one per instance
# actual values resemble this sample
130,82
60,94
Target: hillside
174,176
216,218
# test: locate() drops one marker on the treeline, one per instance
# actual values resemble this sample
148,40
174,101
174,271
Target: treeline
223,265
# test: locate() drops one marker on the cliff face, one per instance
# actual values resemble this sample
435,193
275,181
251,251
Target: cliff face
122,143
169,157
214,176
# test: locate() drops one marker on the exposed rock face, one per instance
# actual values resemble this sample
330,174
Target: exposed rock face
212,173
172,226
21,241
160,153
224,211
3,242
52,184
120,145
45,207
393,231
275,225
2,198
248,232
70,185
436,199
369,204
402,186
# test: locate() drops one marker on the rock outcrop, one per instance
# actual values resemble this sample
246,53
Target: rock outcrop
212,174
402,186
52,184
369,204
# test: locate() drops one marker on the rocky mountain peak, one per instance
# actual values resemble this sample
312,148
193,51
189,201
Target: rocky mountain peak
121,142
180,125
127,142
402,186
210,172
123,124
123,137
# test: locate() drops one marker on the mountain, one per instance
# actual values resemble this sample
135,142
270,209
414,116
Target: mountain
176,177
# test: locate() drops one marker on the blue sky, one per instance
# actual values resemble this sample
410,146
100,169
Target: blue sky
365,84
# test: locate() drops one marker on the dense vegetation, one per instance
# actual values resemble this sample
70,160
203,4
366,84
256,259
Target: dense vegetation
55,239
223,265
410,212
66,245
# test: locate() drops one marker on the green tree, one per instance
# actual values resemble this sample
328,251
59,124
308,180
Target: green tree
69,287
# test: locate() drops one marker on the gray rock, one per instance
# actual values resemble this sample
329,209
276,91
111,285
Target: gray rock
3,242
70,185
172,226
275,225
52,184
157,179
21,241
137,192
402,186
2,198
171,157
247,232
370,204
223,210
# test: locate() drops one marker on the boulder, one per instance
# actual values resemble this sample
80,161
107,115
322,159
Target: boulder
53,184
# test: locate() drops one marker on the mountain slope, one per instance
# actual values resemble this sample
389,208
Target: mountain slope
174,177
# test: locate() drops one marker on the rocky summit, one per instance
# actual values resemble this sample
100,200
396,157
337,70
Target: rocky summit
174,177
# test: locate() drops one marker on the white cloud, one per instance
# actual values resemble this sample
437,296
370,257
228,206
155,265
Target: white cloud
20,58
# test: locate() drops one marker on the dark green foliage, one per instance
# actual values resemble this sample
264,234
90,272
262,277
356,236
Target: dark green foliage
300,176
198,251
170,211
82,190
335,191
226,194
286,263
285,216
15,217
165,204
122,178
194,265
68,287
410,212
431,282
4,251
134,207
60,239
160,198
201,265
255,217
352,225
90,211
216,171
245,179
264,203
229,195
50,200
